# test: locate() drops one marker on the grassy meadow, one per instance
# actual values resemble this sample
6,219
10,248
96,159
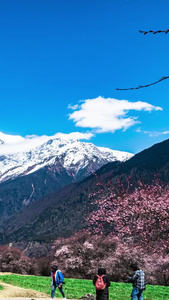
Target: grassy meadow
76,288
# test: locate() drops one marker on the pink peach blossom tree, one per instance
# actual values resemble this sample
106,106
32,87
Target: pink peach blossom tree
138,216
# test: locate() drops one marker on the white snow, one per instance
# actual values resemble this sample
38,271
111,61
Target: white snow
73,155
10,139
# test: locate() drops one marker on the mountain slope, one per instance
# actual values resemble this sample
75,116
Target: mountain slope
62,212
72,156
30,175
147,163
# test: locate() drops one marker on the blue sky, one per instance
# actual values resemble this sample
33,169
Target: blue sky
62,60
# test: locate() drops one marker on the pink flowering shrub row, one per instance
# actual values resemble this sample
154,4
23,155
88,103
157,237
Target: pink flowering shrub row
80,256
15,261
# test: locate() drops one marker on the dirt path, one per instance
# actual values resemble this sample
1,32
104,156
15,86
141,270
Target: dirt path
11,291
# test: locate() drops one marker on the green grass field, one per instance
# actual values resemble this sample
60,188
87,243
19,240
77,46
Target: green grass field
76,288
1,287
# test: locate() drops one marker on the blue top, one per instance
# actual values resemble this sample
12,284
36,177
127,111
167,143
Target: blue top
59,278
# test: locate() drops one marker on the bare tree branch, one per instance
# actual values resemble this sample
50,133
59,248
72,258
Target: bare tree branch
153,31
163,78
143,86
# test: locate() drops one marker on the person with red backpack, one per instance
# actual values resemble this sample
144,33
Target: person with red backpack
101,282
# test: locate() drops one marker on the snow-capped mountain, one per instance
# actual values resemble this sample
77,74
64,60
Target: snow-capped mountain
78,159
32,209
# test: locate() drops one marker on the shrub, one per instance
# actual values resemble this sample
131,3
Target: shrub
14,260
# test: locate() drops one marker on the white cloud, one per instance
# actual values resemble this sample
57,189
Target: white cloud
108,115
73,106
155,133
14,144
138,130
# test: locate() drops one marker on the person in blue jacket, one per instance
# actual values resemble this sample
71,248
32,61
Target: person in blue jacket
57,281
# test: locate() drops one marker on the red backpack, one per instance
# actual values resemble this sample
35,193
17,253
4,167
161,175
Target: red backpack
100,285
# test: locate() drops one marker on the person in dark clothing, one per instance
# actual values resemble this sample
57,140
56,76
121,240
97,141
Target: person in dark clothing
102,294
57,281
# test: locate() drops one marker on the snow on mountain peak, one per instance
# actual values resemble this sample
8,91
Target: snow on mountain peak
10,139
10,144
44,151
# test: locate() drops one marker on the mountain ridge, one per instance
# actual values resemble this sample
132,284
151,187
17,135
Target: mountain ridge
73,155
61,212
28,176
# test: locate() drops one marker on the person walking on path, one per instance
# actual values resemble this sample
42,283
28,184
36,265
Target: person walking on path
57,281
101,282
138,280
